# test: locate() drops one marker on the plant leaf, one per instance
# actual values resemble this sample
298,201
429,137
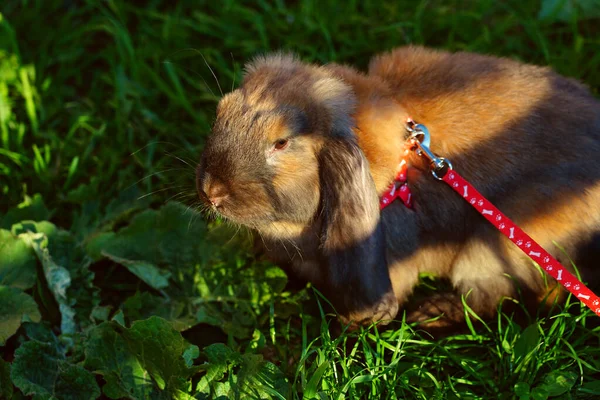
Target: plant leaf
143,361
160,350
17,262
6,386
108,354
219,357
144,305
527,341
71,264
147,272
254,377
42,371
522,389
15,307
539,393
57,277
160,237
190,354
558,382
227,294
32,208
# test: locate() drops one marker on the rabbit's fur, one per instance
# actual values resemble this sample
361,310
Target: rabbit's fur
525,137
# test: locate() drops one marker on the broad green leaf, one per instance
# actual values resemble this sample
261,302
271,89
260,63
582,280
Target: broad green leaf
57,277
15,307
229,295
170,238
101,313
108,354
99,243
254,377
147,272
6,386
67,260
219,353
222,391
539,393
17,261
163,237
119,318
144,305
143,361
522,389
527,341
271,377
179,395
558,382
41,370
32,208
25,226
190,354
258,378
41,332
219,358
160,349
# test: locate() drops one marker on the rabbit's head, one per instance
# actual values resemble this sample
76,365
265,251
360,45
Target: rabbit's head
282,150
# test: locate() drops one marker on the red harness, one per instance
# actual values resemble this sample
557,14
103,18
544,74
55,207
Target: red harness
399,189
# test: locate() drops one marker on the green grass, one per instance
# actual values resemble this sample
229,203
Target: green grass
104,107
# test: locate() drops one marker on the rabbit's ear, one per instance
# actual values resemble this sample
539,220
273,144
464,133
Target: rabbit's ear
352,239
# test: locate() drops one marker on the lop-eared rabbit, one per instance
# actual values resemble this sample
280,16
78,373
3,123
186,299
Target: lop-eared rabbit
301,153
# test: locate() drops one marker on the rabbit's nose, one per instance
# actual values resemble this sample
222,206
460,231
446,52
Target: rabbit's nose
216,194
210,189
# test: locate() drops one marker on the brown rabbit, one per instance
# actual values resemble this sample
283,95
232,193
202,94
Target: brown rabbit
302,153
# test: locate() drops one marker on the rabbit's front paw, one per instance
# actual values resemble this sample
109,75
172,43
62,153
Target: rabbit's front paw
382,313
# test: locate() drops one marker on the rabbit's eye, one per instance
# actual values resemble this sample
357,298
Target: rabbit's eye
281,144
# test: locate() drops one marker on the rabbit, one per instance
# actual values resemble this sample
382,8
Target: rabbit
301,154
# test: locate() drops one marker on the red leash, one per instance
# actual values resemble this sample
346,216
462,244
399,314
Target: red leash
523,241
420,140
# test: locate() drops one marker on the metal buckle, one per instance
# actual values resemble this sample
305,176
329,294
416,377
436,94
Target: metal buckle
421,139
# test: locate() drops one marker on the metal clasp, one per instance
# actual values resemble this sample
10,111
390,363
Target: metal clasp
421,140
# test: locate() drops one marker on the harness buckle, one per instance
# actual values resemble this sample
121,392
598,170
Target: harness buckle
420,140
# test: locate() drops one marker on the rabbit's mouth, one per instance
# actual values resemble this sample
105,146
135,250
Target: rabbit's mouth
247,205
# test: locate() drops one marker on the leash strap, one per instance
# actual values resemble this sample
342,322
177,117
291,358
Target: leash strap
522,240
420,141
